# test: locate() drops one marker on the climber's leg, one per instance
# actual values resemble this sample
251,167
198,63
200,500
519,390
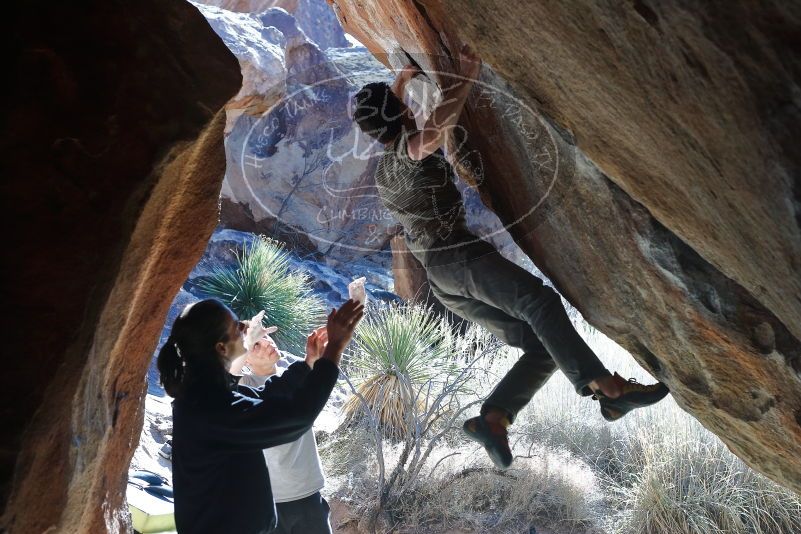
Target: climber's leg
476,271
530,371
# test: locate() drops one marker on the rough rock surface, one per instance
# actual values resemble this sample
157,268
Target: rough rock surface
643,155
291,172
112,145
314,17
319,23
260,51
411,283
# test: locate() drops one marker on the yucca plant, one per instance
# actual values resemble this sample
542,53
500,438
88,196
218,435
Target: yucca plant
399,349
261,279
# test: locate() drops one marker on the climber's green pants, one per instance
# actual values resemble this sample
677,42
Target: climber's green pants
474,281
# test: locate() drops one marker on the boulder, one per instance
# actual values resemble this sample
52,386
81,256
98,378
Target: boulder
291,174
314,17
643,156
113,149
260,51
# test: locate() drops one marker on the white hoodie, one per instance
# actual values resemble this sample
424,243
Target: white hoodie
295,469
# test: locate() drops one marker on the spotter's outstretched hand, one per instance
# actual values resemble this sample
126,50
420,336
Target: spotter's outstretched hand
340,326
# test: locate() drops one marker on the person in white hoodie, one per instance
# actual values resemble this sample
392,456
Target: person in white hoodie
296,474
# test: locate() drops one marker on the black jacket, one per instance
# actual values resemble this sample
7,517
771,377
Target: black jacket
219,474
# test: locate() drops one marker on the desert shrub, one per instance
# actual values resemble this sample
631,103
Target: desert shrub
550,491
687,482
460,491
656,471
433,394
261,279
397,349
661,471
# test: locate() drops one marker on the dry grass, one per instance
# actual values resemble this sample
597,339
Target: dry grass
462,491
388,397
661,471
657,471
549,491
685,481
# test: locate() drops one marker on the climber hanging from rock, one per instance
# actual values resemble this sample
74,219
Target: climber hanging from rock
470,277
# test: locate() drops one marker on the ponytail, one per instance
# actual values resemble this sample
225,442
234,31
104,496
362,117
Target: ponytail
171,368
189,354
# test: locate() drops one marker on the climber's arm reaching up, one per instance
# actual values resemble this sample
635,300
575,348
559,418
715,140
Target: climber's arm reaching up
446,114
403,77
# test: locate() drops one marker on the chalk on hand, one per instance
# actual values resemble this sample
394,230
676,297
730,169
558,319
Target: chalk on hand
257,330
356,290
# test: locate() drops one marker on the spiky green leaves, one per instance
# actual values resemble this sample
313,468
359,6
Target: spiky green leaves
261,279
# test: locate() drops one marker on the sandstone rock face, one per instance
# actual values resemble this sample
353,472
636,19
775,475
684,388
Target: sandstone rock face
411,282
114,158
291,169
643,156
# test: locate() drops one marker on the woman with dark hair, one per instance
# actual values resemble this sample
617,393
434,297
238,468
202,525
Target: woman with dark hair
219,431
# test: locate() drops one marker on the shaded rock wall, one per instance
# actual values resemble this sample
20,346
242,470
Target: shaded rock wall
643,156
112,142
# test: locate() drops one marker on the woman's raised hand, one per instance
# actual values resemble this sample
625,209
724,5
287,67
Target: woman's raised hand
340,326
315,345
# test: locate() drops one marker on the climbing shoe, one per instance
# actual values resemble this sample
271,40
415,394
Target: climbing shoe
634,395
493,437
